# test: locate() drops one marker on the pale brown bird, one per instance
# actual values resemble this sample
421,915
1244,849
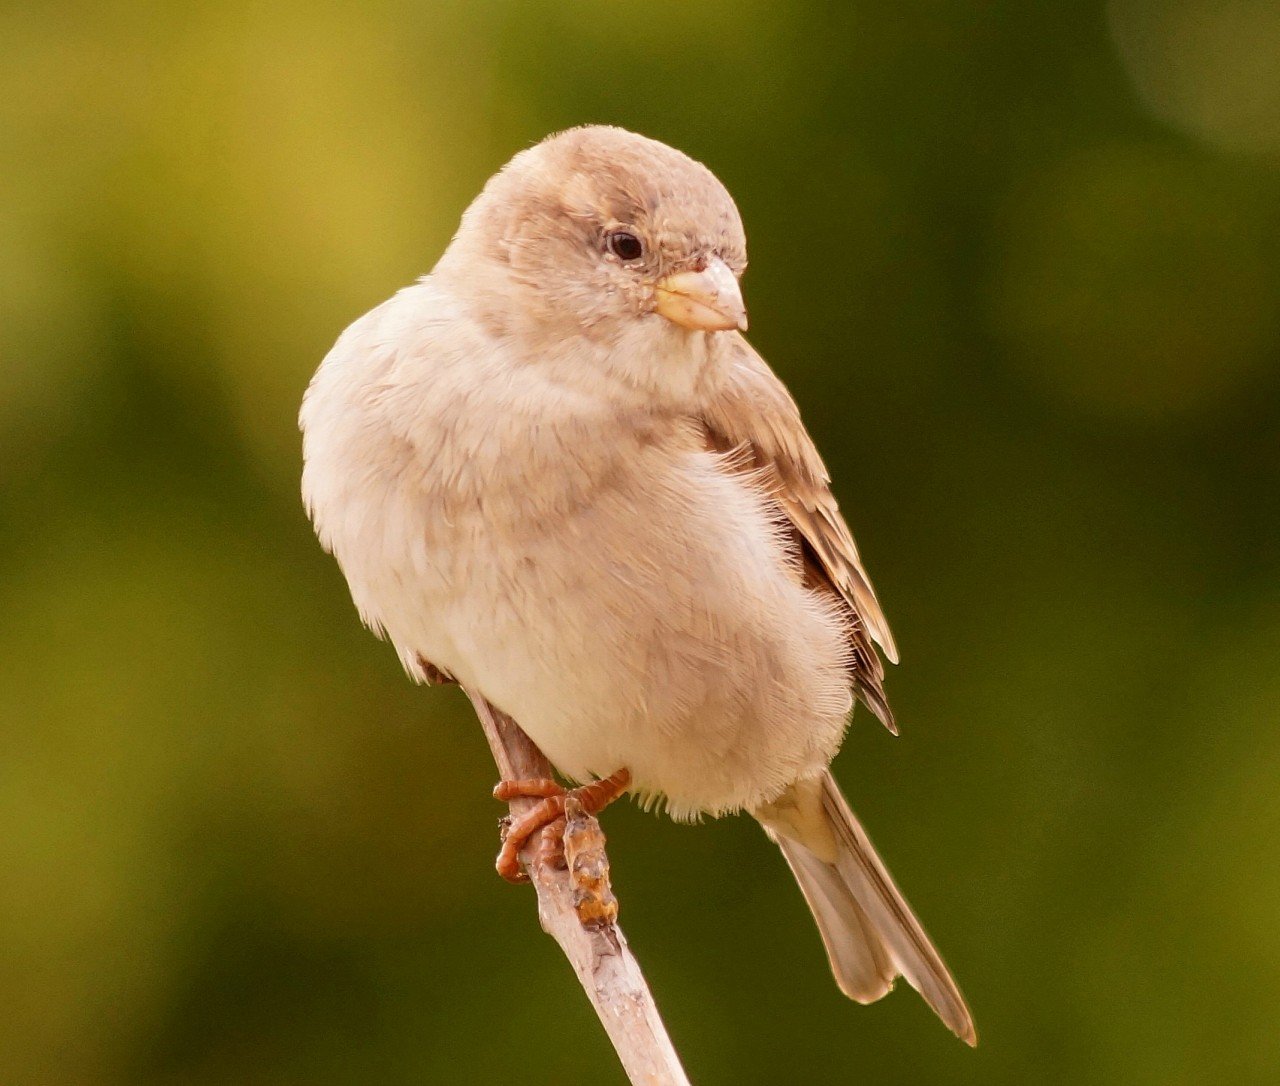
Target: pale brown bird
555,471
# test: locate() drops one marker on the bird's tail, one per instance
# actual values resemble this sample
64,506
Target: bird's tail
870,932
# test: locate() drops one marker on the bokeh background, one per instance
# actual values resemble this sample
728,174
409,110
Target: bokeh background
1020,262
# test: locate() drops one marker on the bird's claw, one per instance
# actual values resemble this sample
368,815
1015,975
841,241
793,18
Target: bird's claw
548,817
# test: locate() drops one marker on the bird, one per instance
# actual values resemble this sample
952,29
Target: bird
553,470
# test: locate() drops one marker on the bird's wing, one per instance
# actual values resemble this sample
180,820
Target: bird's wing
750,413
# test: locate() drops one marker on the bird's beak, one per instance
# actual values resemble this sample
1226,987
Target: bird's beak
709,300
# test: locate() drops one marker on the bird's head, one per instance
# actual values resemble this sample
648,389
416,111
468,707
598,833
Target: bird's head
602,234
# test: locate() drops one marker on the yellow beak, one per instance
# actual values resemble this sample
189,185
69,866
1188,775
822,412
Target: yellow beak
705,301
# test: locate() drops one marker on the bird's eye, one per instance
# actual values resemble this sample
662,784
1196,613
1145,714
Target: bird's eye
624,245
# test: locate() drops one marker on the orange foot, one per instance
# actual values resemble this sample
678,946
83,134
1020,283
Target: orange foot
549,816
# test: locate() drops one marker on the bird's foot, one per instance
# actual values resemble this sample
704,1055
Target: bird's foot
548,816
588,864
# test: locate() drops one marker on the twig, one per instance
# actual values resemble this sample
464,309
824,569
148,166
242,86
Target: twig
609,973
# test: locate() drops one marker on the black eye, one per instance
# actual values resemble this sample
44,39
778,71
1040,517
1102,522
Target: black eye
624,245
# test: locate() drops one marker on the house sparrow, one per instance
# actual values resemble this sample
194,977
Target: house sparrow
554,471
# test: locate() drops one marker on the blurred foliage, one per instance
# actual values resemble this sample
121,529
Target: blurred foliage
1020,263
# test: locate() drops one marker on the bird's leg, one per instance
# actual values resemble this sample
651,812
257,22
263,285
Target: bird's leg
549,816
432,675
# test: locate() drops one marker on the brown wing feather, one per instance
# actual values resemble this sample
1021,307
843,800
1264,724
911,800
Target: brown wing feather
751,414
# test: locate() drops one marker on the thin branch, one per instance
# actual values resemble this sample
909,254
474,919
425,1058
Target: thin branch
609,973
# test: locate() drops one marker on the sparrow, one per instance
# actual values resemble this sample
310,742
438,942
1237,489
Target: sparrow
554,471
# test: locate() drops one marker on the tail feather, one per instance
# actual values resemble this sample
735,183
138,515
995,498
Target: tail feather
861,964
870,932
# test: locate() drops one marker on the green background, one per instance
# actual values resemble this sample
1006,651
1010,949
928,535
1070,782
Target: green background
1020,263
